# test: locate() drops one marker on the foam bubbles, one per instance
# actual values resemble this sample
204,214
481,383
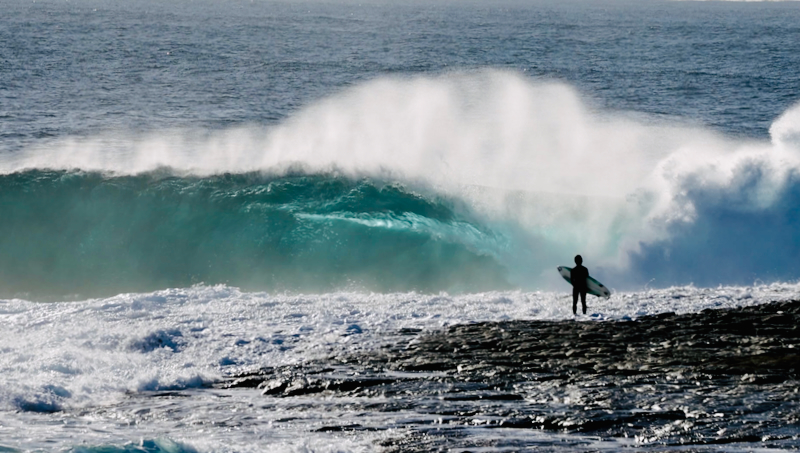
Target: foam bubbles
98,362
76,354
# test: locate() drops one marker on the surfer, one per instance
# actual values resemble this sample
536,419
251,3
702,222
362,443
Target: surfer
579,276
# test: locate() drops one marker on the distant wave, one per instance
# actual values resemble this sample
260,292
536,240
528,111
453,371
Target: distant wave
468,181
146,445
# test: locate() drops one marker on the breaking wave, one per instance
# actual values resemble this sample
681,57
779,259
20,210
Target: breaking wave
462,182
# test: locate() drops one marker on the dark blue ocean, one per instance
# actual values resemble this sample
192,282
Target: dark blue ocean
83,68
225,224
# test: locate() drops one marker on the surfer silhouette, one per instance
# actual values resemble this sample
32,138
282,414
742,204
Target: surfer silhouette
579,276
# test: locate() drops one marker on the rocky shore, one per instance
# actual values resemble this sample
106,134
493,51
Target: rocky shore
714,377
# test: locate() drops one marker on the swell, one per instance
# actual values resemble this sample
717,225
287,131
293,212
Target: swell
89,234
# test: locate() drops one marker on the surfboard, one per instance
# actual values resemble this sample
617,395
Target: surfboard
594,287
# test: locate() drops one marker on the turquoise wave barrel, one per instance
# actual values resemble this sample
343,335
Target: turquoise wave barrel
76,234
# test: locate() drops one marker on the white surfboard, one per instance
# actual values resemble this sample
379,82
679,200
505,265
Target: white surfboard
594,287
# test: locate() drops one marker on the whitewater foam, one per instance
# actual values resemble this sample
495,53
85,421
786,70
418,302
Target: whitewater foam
77,354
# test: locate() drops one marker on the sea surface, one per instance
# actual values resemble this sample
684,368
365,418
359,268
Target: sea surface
334,226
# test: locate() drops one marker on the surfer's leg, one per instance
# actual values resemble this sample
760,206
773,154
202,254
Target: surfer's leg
583,301
574,301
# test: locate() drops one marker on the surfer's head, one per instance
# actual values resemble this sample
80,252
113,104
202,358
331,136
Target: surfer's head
578,260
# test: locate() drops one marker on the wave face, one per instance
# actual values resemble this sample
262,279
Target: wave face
463,182
67,232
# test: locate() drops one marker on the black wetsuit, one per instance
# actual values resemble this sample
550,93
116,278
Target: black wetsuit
579,277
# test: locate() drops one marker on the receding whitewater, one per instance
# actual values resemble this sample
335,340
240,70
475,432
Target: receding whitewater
335,226
216,369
